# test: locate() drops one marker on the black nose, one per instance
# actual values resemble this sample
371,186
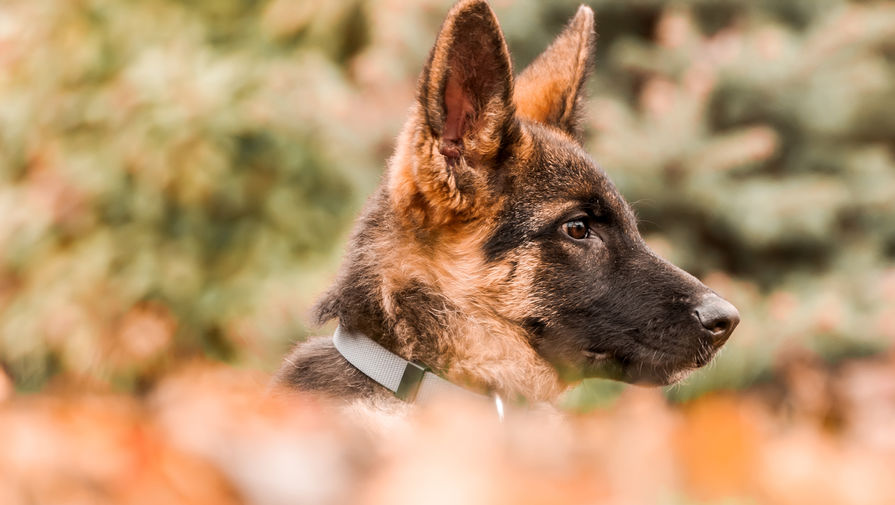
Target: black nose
718,316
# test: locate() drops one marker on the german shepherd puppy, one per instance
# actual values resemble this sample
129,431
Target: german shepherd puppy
496,251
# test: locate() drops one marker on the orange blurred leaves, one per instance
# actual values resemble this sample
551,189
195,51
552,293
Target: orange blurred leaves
717,446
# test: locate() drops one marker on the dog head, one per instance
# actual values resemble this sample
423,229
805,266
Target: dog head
513,221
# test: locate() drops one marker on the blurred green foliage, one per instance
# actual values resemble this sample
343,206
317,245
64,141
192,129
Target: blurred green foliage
176,177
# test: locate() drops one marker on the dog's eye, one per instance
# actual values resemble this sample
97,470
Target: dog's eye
578,229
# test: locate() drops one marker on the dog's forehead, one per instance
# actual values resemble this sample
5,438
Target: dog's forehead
551,178
558,170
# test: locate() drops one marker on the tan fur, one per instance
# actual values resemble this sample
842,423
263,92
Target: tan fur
440,190
481,347
558,72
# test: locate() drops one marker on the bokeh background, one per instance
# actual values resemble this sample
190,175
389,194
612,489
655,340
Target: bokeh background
177,181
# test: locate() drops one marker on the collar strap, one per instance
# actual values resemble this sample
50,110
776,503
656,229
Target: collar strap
408,380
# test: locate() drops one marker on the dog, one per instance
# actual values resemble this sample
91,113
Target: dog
496,255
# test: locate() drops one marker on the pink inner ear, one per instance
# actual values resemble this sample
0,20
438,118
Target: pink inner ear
458,109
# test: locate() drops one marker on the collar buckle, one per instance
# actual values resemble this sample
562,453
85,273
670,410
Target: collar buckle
411,380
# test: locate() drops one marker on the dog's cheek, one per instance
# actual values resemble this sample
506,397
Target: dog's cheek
518,300
577,272
577,289
561,283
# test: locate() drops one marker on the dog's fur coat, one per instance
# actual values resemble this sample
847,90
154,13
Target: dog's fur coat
496,251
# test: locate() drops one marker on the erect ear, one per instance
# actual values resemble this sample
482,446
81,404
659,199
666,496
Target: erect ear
463,125
550,90
466,88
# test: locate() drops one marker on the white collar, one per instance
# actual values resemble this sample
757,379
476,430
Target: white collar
408,380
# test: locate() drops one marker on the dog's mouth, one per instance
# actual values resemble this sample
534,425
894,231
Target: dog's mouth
651,368
635,358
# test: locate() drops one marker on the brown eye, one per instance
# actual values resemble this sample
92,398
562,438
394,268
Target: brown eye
577,229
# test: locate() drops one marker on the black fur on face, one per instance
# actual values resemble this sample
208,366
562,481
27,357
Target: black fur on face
604,305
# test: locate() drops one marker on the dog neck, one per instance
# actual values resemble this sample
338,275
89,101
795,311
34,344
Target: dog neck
409,381
389,292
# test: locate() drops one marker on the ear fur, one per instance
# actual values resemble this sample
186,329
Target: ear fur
464,120
466,88
550,89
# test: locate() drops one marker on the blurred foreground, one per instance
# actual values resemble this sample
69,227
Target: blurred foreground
213,436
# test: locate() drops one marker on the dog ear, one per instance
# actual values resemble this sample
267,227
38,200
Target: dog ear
550,89
464,122
466,88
